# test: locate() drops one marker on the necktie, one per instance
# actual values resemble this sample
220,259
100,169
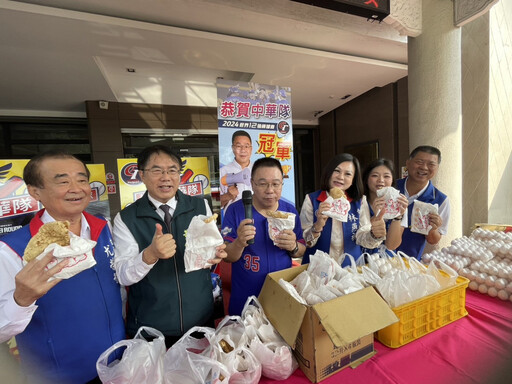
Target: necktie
167,216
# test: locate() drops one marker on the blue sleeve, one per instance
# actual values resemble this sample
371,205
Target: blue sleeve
230,224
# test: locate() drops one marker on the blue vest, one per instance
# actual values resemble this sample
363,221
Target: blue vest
349,230
77,319
413,243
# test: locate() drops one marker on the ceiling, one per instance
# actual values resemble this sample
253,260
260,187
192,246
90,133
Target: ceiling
56,54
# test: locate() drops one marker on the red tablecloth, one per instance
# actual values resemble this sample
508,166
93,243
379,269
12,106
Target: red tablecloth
474,349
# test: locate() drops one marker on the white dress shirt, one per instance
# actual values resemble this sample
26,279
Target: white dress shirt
130,268
233,167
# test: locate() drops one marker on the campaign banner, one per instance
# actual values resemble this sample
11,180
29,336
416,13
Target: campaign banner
195,179
254,118
17,207
99,204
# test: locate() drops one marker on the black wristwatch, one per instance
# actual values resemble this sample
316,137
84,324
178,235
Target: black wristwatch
295,250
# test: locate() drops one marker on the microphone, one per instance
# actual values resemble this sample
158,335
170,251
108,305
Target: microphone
247,199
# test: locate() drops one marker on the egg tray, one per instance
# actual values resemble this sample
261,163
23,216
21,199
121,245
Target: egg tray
425,315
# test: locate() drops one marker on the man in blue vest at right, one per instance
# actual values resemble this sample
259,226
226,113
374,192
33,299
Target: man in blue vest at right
422,166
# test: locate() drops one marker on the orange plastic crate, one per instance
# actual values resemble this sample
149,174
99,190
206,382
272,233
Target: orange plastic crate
425,315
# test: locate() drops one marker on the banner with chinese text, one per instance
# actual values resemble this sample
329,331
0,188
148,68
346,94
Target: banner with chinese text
17,207
264,113
195,179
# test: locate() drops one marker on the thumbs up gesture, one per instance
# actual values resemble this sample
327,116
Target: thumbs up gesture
378,225
163,246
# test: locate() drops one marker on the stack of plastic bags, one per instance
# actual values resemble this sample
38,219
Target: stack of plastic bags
324,280
399,280
238,351
406,279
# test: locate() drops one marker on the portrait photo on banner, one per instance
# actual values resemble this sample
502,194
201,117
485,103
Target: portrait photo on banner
254,121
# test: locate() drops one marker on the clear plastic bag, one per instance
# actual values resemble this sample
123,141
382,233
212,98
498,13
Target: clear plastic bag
141,362
323,266
275,356
230,345
231,330
448,279
256,322
194,361
242,365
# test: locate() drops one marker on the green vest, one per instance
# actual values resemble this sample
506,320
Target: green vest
167,298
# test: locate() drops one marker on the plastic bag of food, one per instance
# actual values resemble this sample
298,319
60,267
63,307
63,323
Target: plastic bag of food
339,205
141,361
392,206
275,356
55,236
279,221
291,291
193,360
420,222
324,266
203,237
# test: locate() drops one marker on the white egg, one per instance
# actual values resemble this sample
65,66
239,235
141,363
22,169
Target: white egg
503,295
490,280
480,278
482,288
493,292
473,285
500,283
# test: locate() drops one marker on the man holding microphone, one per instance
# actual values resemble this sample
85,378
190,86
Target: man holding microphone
252,262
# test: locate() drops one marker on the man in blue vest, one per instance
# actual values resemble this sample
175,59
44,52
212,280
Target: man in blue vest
61,326
422,166
149,236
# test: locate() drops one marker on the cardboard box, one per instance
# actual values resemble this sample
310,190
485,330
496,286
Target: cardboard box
330,336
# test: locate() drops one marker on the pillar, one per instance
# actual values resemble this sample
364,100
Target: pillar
435,106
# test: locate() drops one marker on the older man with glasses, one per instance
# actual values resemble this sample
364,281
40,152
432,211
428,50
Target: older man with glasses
422,166
149,237
252,262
